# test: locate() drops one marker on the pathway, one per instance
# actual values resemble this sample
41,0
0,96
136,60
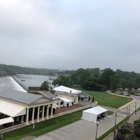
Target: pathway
84,130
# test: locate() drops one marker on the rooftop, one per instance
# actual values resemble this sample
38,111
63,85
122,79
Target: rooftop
66,89
19,96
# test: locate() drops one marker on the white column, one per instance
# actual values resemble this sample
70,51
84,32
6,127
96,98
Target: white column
52,111
38,114
43,113
27,116
33,112
59,103
22,119
47,112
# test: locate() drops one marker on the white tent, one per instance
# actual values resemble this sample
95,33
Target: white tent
11,109
6,120
66,101
93,113
66,89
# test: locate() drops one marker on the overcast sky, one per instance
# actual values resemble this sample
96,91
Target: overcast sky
70,34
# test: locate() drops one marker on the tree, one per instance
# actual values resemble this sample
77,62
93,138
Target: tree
80,76
63,80
115,82
44,86
138,81
105,78
91,83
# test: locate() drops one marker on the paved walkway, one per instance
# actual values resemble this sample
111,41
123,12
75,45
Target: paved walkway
84,130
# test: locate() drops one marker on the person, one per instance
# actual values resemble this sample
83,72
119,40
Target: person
114,132
93,99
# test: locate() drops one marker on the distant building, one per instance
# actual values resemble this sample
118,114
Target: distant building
71,94
3,73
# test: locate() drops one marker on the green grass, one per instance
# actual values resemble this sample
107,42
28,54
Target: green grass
110,112
106,99
43,127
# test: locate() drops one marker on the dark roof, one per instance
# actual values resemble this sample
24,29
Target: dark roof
19,96
48,94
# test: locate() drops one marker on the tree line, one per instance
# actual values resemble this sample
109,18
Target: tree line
12,70
100,80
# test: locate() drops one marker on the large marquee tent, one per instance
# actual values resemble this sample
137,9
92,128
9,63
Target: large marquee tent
66,89
93,113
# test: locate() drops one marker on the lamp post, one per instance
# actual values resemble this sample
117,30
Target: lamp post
126,112
135,107
97,123
115,118
129,111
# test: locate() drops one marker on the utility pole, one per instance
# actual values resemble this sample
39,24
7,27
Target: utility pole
115,118
97,123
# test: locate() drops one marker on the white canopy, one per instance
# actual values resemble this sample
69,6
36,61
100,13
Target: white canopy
6,120
66,89
93,113
11,109
66,101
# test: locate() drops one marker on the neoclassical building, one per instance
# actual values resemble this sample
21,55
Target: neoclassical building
22,107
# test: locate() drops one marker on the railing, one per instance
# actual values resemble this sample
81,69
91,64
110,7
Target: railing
12,128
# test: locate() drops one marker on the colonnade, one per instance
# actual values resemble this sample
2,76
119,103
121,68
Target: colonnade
38,113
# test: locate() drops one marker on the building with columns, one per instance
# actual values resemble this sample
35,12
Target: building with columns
21,107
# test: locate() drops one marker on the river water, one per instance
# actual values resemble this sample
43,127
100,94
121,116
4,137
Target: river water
7,83
22,81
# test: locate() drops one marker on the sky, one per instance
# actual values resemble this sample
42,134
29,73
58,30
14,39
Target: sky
70,34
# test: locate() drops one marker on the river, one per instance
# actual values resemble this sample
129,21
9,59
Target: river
22,81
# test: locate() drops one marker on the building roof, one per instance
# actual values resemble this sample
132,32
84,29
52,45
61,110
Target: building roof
64,99
63,93
96,110
47,93
19,96
66,89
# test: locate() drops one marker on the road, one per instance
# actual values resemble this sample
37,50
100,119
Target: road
84,130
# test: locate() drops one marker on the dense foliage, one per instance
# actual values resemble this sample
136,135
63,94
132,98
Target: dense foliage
90,78
12,70
100,80
44,86
63,80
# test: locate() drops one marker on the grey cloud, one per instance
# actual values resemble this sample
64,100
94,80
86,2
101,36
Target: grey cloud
70,34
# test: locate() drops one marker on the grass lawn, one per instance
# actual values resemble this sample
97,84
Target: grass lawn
106,99
43,127
103,98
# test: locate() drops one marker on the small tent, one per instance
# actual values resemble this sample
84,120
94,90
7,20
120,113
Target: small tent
66,101
6,120
94,113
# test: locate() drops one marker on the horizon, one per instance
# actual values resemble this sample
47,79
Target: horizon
68,69
70,34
